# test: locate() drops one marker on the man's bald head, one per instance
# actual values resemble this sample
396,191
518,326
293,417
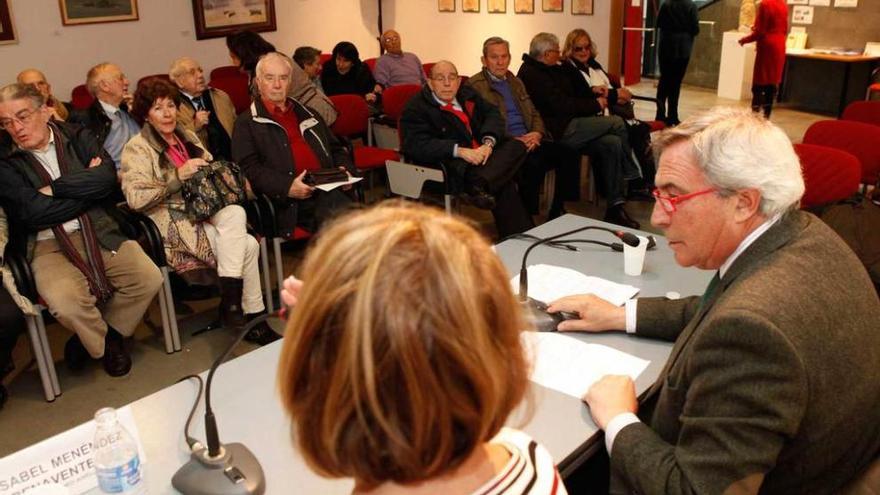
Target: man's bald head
36,79
391,42
444,80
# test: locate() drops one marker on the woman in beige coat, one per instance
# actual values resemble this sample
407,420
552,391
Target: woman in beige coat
155,163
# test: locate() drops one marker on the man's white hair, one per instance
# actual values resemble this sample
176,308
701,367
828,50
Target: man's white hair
738,149
541,43
178,67
277,56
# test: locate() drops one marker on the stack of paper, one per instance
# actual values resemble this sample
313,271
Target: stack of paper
548,283
566,364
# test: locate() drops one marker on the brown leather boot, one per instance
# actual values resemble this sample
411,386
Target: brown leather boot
231,314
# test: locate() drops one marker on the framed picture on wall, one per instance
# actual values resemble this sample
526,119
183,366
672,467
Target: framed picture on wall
470,5
75,12
582,7
496,6
7,29
551,5
523,6
446,5
216,18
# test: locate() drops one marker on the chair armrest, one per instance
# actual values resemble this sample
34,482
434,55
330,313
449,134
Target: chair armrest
147,228
22,275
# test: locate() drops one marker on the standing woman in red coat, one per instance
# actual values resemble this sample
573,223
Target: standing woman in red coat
769,31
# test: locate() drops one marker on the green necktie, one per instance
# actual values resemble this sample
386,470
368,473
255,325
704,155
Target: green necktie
711,289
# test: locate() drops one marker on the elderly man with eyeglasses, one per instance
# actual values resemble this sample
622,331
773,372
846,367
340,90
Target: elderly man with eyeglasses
396,67
451,124
57,184
772,385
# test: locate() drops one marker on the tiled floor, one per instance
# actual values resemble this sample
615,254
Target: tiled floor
27,418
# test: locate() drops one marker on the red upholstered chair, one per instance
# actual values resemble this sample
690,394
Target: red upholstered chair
427,68
857,138
874,88
863,111
224,71
830,174
352,122
395,98
371,63
325,57
235,84
80,98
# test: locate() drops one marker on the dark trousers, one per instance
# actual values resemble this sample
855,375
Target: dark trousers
549,156
669,88
762,98
497,177
11,325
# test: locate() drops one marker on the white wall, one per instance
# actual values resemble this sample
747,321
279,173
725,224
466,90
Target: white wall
165,30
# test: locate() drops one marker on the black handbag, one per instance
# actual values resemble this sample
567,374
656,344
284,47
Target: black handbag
213,188
324,176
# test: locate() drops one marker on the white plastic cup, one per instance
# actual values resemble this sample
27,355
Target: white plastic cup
634,257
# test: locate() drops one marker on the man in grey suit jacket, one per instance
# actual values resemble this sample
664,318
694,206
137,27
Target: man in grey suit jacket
772,383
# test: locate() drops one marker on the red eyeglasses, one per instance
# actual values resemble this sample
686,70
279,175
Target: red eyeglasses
668,203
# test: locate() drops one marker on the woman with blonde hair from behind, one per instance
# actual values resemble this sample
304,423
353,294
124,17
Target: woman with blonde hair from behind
403,359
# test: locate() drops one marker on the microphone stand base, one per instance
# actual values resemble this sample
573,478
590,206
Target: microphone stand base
235,472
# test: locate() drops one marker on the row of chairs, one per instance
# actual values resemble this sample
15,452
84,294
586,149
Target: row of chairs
261,224
838,156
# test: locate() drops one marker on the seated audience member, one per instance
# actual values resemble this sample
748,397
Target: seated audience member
245,50
497,85
155,163
396,67
309,60
208,112
346,74
278,141
400,371
575,122
591,79
772,383
11,307
57,186
450,124
60,110
108,116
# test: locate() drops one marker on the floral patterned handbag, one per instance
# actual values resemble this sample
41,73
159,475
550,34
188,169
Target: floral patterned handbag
213,188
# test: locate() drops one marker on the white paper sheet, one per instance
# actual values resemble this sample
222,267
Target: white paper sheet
565,364
65,459
548,283
333,185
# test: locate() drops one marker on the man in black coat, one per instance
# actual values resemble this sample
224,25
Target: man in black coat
450,124
575,121
278,140
57,185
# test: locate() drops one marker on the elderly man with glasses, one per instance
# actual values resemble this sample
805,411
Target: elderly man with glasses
575,121
57,185
451,124
396,67
771,386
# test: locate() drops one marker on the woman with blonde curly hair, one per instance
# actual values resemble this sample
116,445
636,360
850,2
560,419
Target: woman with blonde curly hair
403,359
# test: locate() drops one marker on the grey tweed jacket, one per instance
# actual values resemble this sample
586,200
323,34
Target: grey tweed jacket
773,385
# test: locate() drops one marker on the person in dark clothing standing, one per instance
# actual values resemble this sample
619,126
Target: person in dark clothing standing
678,24
450,124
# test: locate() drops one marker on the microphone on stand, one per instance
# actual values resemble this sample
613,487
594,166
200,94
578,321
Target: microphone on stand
221,469
537,310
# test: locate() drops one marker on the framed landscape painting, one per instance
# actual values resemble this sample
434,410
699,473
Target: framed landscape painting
446,5
470,5
524,6
217,18
552,5
582,7
496,6
75,12
7,29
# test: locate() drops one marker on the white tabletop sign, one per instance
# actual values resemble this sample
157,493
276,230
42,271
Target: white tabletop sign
66,459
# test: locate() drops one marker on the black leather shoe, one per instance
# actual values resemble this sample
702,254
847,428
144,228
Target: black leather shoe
617,215
262,333
4,395
75,355
231,313
116,360
478,197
